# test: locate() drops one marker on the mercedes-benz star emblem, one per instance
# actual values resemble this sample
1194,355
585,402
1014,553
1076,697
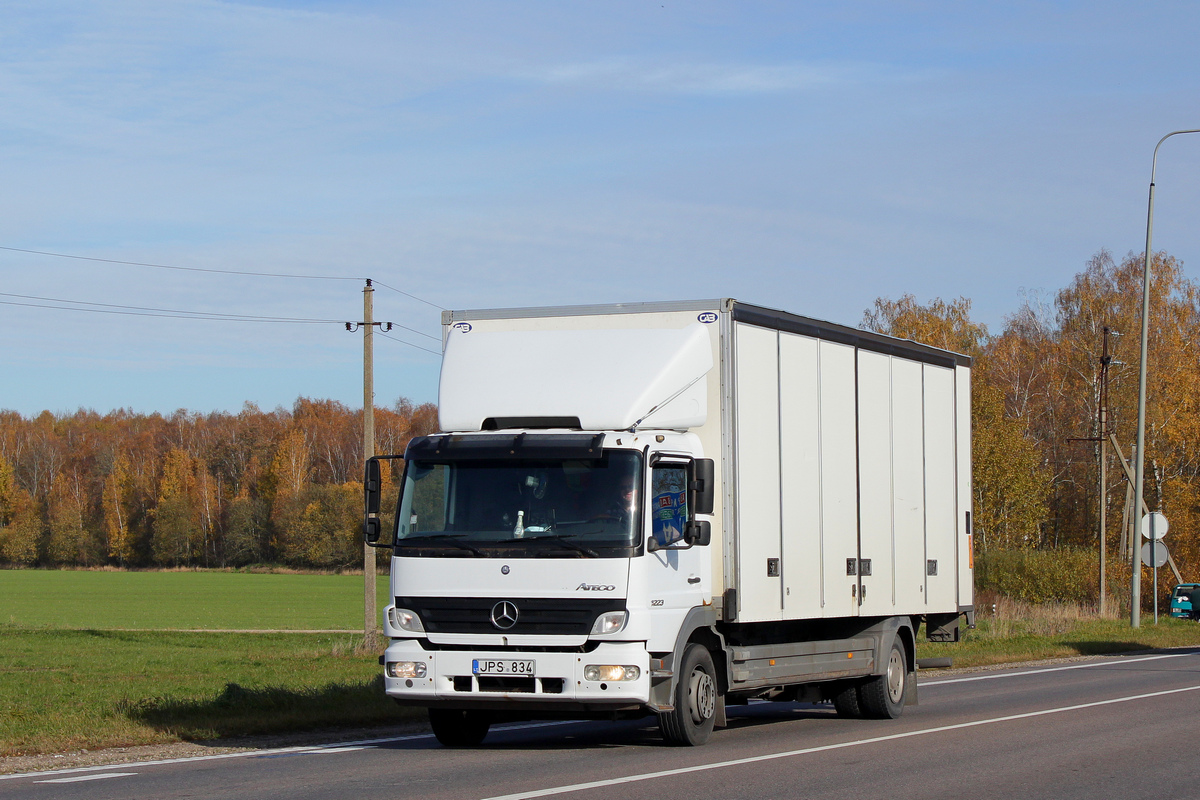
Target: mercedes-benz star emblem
504,570
504,615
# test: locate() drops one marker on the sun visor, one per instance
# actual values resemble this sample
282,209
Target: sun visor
608,379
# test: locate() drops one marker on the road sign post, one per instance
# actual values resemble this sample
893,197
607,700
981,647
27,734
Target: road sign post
1154,552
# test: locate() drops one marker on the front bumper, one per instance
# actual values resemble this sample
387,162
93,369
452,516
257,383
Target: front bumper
557,683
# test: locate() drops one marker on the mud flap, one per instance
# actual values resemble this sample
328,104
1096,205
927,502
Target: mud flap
910,689
719,712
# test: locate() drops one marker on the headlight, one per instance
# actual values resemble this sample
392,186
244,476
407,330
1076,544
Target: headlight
611,672
405,620
406,669
609,622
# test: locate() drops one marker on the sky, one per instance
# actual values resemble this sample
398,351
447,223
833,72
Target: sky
806,156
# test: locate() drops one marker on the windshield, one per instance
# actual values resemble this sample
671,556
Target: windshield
497,507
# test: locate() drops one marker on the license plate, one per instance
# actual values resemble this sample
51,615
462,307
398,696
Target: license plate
502,666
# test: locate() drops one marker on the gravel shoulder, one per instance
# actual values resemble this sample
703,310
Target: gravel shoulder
163,752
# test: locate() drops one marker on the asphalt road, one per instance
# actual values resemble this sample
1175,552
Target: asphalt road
1106,728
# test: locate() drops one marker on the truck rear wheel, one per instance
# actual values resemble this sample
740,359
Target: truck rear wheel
696,693
846,703
882,697
458,728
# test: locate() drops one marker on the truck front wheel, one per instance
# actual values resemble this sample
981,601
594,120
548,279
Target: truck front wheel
696,693
458,728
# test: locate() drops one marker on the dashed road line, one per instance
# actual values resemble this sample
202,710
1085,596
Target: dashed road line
82,778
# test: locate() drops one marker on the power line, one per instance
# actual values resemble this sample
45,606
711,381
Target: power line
406,294
220,271
410,344
172,313
183,269
113,308
437,339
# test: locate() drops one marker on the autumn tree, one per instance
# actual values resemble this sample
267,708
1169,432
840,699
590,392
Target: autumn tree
70,541
20,527
118,534
177,536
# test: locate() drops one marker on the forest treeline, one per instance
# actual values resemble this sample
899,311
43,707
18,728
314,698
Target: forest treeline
285,486
188,489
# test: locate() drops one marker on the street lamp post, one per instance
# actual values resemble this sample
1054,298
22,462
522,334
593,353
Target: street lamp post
1135,581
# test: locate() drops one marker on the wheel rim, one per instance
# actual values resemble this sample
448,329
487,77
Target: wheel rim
895,676
702,694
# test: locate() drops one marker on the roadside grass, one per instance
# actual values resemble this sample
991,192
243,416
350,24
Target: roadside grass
183,600
1016,632
67,690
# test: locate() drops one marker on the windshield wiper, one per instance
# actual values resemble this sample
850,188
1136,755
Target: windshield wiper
441,538
558,538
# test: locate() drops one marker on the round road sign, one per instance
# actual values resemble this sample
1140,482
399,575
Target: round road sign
1158,521
1160,554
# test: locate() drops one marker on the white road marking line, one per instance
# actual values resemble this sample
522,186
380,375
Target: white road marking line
81,778
299,750
324,750
646,776
1055,669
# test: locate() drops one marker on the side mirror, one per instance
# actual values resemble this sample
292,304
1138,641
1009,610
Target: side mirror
372,486
698,533
371,529
372,492
703,486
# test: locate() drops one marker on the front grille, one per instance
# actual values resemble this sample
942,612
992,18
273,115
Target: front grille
560,616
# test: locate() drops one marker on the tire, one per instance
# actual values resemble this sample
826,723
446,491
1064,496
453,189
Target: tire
690,723
846,703
458,728
882,697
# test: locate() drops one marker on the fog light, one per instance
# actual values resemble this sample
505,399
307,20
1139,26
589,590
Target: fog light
406,669
611,672
609,622
405,620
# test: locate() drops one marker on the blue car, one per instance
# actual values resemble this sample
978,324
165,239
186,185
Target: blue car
1182,604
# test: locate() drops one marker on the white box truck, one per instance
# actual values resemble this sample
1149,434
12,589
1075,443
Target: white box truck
668,508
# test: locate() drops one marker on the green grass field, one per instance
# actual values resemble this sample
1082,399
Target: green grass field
89,660
61,690
211,600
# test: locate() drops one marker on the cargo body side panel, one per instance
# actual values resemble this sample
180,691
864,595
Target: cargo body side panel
759,551
941,490
966,558
800,475
839,479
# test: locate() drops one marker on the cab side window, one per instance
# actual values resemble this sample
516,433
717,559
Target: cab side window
668,498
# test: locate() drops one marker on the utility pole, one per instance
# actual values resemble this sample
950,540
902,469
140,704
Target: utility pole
1105,360
370,612
1102,437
